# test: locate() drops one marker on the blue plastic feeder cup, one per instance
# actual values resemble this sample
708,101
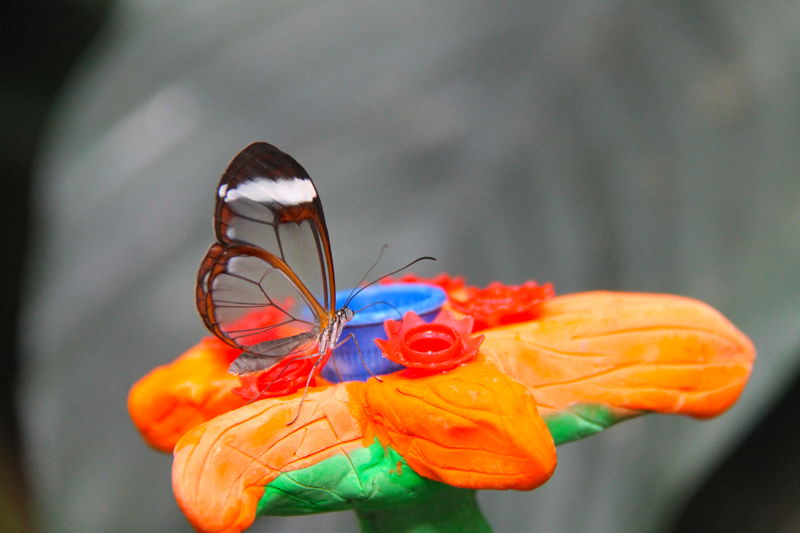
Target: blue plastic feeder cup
372,306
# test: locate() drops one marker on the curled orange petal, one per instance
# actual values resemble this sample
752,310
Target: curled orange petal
221,467
174,398
472,427
650,352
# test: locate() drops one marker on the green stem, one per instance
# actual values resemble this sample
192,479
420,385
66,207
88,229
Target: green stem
449,510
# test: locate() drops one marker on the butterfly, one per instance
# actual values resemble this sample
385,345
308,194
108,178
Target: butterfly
267,285
272,259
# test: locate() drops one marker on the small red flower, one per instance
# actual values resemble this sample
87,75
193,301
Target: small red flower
286,377
499,304
443,281
426,348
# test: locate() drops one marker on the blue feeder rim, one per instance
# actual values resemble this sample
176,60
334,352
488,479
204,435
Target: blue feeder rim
373,306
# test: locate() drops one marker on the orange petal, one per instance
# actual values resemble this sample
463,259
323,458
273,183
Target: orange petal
221,467
174,398
471,427
650,352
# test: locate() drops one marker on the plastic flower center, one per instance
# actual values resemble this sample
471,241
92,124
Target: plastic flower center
431,343
429,347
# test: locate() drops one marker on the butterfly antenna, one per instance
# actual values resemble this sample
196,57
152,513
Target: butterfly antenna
380,302
357,290
370,269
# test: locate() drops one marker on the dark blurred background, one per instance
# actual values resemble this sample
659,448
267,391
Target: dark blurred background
647,146
41,42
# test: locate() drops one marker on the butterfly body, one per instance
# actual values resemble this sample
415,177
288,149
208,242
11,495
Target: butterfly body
267,285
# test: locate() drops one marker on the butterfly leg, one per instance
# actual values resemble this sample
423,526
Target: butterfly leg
336,367
271,383
360,355
311,374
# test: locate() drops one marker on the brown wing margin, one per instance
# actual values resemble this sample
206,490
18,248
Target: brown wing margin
263,163
216,263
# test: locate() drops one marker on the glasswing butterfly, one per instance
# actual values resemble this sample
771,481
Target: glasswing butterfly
267,285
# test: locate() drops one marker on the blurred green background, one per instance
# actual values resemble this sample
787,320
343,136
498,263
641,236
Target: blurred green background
647,146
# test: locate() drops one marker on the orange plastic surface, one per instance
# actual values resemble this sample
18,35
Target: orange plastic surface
472,427
220,467
651,352
174,398
476,426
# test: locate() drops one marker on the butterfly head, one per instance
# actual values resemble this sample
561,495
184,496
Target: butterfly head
345,314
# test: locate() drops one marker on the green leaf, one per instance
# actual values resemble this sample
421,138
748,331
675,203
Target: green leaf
387,495
372,477
584,420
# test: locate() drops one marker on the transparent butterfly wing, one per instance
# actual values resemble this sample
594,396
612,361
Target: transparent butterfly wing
253,286
245,299
266,199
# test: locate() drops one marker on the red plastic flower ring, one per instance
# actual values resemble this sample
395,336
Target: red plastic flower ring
429,348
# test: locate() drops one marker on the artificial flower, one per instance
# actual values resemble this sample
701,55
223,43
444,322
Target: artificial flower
413,449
